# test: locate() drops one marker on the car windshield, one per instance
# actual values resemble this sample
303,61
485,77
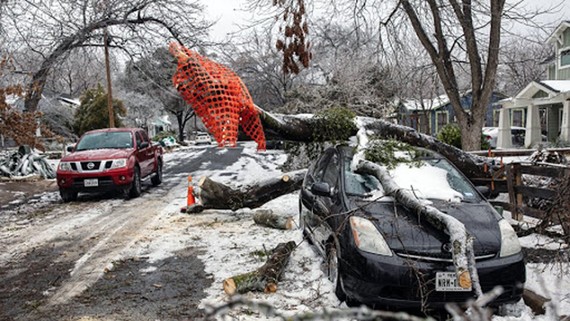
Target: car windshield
103,140
432,178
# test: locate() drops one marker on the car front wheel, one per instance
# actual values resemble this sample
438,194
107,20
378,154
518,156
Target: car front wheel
67,196
136,185
333,273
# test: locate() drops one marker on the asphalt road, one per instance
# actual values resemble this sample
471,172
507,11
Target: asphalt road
89,259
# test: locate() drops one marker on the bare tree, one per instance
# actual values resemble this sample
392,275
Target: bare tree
53,29
519,67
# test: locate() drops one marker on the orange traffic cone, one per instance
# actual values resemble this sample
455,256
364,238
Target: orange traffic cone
190,200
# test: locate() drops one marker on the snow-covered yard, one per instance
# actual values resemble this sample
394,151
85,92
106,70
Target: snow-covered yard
230,243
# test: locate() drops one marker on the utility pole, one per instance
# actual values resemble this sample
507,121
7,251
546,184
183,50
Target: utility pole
108,71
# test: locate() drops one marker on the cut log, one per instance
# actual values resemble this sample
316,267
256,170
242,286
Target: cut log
214,195
535,301
462,242
270,219
266,277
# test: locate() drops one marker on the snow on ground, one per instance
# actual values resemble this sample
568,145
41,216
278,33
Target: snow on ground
231,243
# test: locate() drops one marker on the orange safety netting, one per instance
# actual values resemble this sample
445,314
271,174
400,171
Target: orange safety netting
218,97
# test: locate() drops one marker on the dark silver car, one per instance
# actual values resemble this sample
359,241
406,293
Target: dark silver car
379,253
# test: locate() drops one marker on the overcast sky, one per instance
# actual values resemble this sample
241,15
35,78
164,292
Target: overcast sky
229,15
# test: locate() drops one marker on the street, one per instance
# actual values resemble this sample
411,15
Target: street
103,257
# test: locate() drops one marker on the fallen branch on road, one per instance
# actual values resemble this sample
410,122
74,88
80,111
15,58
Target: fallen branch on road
269,219
214,195
266,277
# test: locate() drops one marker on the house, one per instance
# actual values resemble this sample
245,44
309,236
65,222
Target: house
430,115
543,107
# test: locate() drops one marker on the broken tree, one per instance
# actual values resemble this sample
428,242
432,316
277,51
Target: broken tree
266,277
214,195
462,242
303,129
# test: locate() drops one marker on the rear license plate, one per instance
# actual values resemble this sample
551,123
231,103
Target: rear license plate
91,182
447,282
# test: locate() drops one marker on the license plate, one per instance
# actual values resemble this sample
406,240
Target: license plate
447,282
91,182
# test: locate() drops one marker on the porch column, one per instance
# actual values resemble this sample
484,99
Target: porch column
532,135
504,135
565,122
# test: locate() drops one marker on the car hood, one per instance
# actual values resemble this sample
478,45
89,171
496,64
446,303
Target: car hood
405,233
98,154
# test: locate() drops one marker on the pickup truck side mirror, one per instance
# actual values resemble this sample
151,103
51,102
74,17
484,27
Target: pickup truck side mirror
484,190
70,149
143,145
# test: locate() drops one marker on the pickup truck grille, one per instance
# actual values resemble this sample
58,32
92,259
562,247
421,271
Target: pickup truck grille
92,166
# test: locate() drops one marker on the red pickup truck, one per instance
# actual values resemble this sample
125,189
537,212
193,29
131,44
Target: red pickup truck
109,159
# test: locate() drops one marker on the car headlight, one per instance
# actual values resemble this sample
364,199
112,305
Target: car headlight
367,237
509,241
118,163
65,166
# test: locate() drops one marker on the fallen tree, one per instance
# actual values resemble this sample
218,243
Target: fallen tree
307,129
266,277
214,195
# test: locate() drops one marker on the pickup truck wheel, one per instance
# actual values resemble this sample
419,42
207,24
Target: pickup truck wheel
67,196
156,179
136,188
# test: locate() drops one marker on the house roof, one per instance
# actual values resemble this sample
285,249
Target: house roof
558,32
425,104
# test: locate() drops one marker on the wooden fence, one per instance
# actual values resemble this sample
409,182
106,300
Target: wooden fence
510,180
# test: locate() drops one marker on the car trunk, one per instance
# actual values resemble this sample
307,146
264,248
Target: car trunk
407,234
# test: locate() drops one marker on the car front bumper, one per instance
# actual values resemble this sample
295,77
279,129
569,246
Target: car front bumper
399,282
119,179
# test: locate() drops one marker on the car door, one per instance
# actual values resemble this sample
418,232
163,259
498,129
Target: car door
144,153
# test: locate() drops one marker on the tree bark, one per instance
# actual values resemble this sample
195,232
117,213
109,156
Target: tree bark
270,219
266,277
463,256
214,195
300,129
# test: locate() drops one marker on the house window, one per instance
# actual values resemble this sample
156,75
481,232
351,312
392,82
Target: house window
442,119
517,117
565,58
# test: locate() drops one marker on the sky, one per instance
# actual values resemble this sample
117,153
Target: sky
230,14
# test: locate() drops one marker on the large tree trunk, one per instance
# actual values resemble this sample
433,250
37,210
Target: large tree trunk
266,277
214,195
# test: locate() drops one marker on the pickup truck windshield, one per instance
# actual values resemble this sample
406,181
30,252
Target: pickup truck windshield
105,140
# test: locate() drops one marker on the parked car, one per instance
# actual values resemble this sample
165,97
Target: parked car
109,159
203,138
517,136
379,253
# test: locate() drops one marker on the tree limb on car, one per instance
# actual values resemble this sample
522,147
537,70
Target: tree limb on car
462,242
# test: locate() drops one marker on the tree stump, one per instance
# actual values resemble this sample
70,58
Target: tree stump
266,277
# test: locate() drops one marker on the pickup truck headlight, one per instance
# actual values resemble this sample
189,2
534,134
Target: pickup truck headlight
509,241
367,237
65,166
118,163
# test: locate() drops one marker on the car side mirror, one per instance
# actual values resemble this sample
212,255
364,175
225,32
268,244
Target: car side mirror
484,190
143,145
70,149
321,189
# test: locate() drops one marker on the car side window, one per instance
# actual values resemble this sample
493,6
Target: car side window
144,136
138,138
331,173
320,167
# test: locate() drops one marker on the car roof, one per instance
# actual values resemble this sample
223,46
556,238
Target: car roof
112,130
424,153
